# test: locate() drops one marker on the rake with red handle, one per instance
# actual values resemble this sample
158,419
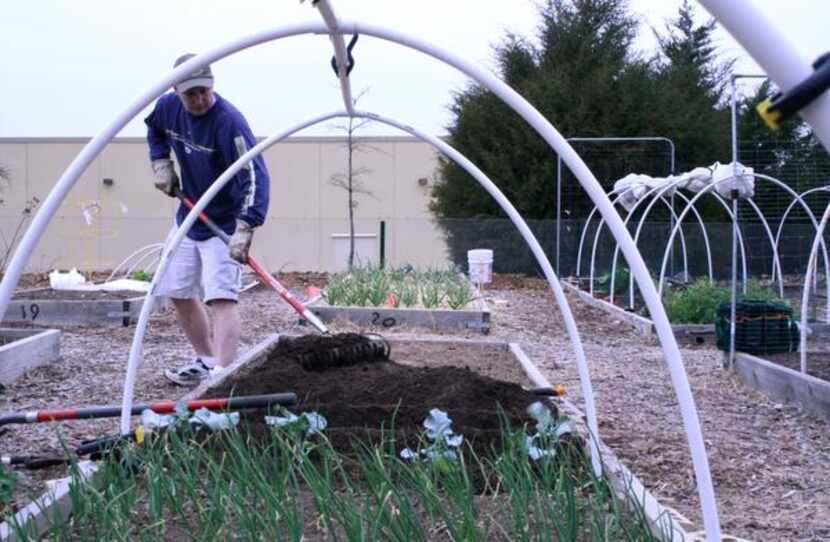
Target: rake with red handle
295,303
161,407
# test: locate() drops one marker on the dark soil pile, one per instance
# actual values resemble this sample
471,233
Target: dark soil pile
359,399
77,295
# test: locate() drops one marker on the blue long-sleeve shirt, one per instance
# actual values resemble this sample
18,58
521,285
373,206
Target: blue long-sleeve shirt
205,146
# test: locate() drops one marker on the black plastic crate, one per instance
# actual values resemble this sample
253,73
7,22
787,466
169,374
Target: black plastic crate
761,327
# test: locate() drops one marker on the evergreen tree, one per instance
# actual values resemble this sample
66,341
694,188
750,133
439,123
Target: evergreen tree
694,111
575,78
791,154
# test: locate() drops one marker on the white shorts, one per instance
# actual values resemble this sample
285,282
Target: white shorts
201,269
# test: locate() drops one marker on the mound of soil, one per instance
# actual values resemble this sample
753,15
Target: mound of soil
359,399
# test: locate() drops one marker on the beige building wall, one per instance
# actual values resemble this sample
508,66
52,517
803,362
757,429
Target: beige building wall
113,210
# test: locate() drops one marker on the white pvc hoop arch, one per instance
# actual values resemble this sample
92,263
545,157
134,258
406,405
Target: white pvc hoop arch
812,216
690,205
625,191
596,243
577,166
640,225
651,297
799,198
805,294
136,258
487,184
588,222
773,239
683,214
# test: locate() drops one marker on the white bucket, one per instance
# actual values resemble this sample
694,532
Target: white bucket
480,265
59,280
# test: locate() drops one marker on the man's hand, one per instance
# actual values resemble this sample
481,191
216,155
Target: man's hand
165,178
240,241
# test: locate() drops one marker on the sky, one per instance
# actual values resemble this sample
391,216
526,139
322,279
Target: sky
70,67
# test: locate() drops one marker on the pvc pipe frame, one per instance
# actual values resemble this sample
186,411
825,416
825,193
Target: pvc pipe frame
805,294
815,225
637,235
486,183
640,225
774,240
598,140
736,233
678,224
594,210
668,342
140,255
613,266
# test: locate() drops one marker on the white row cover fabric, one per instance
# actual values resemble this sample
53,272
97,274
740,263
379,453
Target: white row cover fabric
634,186
741,178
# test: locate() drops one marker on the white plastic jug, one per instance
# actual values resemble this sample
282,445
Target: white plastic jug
65,281
480,265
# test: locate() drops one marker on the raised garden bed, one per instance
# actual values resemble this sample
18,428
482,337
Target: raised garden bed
779,377
24,349
356,400
49,307
688,334
388,298
477,317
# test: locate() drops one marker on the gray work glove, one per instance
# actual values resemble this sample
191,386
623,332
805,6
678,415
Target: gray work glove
164,176
240,241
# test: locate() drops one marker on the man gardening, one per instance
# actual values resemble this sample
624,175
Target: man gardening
207,134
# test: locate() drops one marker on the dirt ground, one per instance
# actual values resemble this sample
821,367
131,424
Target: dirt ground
769,461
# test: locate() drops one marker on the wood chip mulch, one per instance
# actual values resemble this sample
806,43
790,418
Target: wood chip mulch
769,461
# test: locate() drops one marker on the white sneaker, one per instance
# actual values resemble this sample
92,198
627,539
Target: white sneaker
190,374
217,371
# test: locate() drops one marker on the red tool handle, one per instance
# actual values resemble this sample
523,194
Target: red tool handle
295,303
162,407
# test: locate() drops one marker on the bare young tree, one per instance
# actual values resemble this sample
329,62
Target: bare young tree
9,244
351,180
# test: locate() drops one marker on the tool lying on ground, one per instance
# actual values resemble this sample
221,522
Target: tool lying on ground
96,448
161,407
557,390
345,349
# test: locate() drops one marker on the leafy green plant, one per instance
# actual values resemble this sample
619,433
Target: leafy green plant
294,484
142,275
8,483
405,286
407,292
336,292
621,279
432,293
696,304
458,293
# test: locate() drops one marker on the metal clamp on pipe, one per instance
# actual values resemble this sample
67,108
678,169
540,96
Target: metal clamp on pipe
781,106
350,63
